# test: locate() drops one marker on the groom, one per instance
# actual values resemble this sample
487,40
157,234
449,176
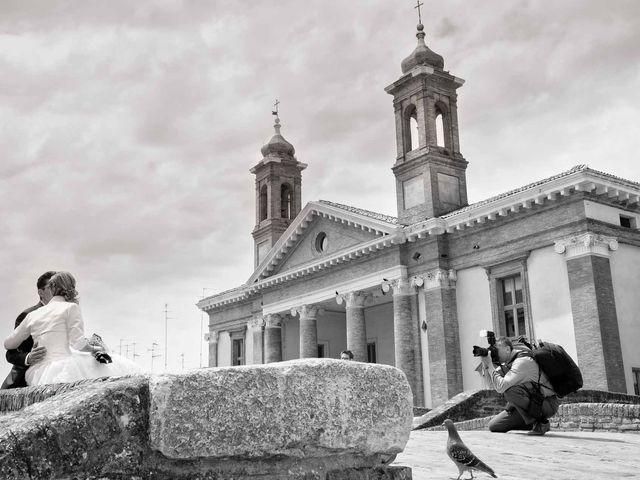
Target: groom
25,355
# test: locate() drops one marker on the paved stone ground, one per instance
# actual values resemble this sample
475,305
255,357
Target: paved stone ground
514,455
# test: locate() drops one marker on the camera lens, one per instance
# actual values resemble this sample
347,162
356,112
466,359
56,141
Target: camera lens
480,351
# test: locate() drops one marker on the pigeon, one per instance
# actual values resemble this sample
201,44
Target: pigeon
461,455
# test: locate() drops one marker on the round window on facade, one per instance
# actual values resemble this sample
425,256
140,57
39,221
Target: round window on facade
322,242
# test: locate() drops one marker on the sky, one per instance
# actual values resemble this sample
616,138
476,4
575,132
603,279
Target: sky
127,131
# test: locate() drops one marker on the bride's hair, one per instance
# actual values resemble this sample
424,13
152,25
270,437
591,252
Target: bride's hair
64,285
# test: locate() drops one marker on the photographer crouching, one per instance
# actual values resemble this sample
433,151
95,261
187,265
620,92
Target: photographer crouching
531,400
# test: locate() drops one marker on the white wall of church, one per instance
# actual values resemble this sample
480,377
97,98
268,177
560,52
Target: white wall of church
607,213
291,338
625,263
332,333
224,349
248,346
379,322
473,300
551,299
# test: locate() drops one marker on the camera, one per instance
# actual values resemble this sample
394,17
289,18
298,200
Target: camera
491,350
102,357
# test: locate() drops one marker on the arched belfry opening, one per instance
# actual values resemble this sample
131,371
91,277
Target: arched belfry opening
263,204
440,139
443,126
286,201
411,129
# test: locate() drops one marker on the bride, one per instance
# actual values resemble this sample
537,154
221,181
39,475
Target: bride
58,326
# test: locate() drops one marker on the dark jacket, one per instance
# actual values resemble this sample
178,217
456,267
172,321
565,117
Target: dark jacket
17,357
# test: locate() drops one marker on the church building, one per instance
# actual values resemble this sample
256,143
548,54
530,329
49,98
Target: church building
557,260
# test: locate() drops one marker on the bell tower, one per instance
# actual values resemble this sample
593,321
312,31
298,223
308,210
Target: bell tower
429,169
278,192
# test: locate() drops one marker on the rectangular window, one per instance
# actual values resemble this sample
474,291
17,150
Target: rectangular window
509,290
237,352
636,380
371,352
627,222
512,308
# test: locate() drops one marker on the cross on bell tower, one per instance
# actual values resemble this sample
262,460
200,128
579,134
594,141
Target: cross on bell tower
429,168
278,190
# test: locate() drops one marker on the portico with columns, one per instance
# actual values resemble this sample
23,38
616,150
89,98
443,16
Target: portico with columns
556,259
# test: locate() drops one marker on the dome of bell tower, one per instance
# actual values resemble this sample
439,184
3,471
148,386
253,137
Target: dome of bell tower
422,55
277,145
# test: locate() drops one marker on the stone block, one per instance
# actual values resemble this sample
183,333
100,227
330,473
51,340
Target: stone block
388,473
338,419
301,408
94,428
629,427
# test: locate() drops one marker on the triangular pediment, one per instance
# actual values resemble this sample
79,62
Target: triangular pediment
321,230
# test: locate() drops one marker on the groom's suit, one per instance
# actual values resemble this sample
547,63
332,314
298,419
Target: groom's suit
17,357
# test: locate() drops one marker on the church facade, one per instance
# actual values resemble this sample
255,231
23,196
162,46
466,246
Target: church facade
557,260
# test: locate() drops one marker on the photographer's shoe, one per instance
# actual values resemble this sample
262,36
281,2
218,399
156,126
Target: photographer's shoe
539,429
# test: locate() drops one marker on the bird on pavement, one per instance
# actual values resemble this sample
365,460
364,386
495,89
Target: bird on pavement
464,459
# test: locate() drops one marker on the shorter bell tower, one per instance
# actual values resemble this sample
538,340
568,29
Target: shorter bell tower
278,192
429,169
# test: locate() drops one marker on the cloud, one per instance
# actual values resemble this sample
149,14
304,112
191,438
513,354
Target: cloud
128,130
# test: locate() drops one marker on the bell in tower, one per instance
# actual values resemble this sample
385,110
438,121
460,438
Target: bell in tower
429,169
278,192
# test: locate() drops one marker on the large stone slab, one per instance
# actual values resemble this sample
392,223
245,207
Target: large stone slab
307,420
301,408
87,429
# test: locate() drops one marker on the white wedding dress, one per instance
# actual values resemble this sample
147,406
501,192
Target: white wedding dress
58,326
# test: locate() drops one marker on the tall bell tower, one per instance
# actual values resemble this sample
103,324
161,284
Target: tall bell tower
429,169
278,192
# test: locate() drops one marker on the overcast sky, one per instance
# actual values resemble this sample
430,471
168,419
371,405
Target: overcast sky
127,130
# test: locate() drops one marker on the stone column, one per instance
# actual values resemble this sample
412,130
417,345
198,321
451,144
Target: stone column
400,133
595,320
404,330
443,337
422,114
430,117
273,338
356,327
308,330
256,324
212,339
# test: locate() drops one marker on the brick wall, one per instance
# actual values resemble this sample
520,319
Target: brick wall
472,410
596,323
578,417
444,344
611,417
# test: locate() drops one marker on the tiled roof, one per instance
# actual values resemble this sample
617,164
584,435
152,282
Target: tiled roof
367,213
576,169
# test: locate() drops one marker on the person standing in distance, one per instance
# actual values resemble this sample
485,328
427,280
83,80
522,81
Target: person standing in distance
27,354
346,355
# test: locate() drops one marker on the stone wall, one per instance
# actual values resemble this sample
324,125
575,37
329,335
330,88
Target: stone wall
611,417
474,408
578,417
305,419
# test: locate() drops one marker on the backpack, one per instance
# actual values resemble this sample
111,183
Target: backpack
557,365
